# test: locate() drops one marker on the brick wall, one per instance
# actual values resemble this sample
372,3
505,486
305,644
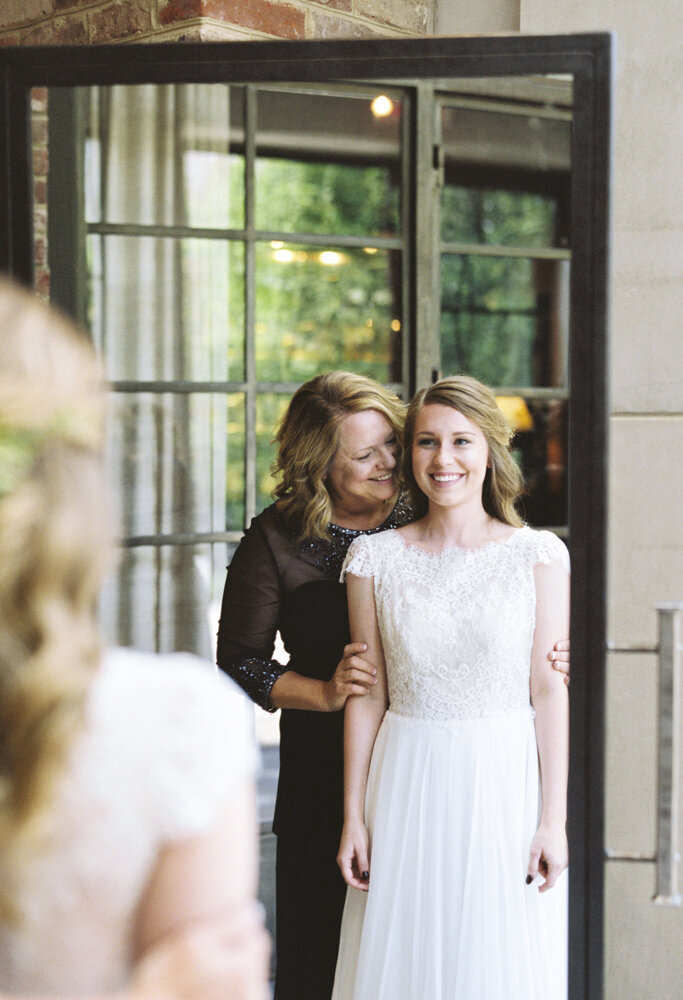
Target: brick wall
41,164
63,22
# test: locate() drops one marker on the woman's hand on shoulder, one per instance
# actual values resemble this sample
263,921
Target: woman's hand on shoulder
353,675
354,855
549,854
559,657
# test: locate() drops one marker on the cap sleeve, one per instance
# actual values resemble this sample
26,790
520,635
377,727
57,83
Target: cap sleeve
360,559
206,753
548,548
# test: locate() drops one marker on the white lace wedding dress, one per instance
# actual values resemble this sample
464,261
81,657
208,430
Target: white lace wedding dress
166,746
453,790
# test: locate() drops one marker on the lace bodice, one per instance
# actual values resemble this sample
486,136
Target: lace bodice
166,746
457,626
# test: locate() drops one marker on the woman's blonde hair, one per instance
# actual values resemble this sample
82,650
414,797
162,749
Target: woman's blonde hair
308,438
54,548
503,485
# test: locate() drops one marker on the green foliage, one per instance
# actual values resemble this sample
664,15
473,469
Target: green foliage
497,218
325,198
490,306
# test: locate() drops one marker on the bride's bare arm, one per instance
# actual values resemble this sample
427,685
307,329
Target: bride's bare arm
200,932
362,719
549,854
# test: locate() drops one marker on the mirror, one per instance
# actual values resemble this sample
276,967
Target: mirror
224,243
195,201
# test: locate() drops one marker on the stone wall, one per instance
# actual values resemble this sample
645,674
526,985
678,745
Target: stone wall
643,956
63,22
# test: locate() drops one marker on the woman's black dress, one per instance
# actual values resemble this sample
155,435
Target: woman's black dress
275,583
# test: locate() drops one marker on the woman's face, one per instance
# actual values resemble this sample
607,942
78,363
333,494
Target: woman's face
363,472
450,456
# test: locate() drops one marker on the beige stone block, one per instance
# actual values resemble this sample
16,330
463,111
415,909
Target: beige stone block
645,526
646,339
643,954
416,16
631,753
324,25
457,17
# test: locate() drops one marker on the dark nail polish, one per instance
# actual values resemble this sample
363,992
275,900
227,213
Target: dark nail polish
529,879
365,876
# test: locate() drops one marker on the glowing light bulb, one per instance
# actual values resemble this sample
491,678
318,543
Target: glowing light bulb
382,106
331,258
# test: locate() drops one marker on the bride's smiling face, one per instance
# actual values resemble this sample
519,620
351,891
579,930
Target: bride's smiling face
450,456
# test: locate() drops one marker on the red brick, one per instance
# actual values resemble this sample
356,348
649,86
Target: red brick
39,98
41,282
41,162
40,250
40,192
280,19
61,32
119,21
180,10
10,40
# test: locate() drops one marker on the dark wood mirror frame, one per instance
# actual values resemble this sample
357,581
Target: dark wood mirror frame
588,59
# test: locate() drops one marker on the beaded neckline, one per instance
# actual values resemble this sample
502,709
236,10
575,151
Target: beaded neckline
329,553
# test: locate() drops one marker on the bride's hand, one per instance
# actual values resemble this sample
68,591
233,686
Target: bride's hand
353,675
354,856
549,855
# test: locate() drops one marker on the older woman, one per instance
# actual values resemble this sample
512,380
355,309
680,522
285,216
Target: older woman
338,462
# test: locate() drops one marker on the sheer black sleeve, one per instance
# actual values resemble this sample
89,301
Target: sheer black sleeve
250,616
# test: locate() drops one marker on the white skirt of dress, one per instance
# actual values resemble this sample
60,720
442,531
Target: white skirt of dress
451,809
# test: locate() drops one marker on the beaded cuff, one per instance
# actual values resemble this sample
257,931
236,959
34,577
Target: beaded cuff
256,677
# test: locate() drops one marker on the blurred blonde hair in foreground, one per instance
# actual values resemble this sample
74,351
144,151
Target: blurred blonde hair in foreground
54,550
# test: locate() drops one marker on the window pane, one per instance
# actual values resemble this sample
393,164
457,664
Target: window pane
235,457
326,198
269,410
506,174
318,309
165,155
504,320
177,462
163,308
540,447
503,218
327,163
160,599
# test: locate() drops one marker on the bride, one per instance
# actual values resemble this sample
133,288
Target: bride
455,764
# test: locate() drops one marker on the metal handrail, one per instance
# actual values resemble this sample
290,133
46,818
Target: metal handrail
669,649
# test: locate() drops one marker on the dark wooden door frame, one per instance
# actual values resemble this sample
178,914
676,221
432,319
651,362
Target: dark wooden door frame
588,58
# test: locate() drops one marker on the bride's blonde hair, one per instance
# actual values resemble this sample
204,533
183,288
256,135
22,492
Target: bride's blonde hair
54,548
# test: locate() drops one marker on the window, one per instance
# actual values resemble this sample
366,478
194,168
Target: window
238,239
